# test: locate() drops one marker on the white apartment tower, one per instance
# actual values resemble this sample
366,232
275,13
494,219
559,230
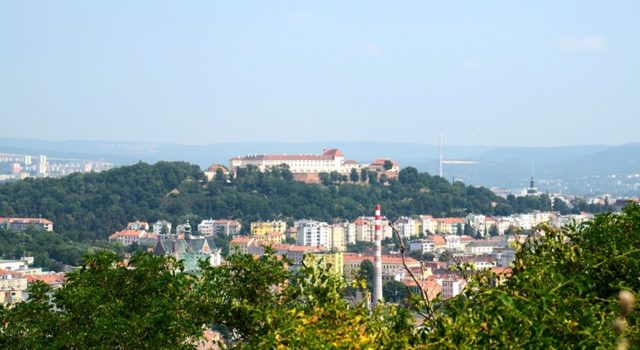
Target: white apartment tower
42,166
313,233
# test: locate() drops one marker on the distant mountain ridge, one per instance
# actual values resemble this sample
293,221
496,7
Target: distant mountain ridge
126,152
511,167
506,167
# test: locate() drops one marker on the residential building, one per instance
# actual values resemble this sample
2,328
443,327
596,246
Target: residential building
365,227
349,233
16,265
502,274
149,239
227,227
22,224
224,227
542,217
390,265
364,230
334,261
53,279
453,242
503,224
14,279
504,257
270,238
162,227
213,169
205,227
21,166
465,240
127,237
572,218
429,285
422,245
436,265
138,226
337,238
524,221
12,287
407,227
241,244
477,222
452,286
450,226
264,227
21,266
312,233
291,233
479,262
439,242
428,224
489,222
481,247
43,166
295,253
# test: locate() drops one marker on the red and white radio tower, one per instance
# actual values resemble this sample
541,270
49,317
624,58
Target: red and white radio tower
377,260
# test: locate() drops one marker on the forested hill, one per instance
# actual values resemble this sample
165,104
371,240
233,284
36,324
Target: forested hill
92,206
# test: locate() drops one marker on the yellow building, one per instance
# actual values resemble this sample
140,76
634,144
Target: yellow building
13,285
274,238
449,226
428,224
333,260
392,266
337,239
264,227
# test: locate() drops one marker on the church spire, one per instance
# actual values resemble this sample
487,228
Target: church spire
532,190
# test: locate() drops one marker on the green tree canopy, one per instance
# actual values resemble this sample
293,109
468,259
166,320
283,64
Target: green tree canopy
89,207
563,292
103,304
569,288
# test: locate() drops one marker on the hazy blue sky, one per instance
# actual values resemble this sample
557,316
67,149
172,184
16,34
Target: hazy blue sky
486,72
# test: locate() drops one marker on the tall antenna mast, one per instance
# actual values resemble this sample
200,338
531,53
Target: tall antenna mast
441,154
532,168
443,161
531,183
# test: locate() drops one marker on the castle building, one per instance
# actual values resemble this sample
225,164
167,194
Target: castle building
307,167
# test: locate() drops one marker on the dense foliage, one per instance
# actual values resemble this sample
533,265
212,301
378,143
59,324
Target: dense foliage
570,288
89,206
563,292
49,249
105,305
92,206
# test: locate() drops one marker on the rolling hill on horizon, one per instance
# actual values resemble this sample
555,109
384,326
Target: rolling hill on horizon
504,167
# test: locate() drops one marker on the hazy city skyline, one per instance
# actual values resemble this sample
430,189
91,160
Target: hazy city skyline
491,73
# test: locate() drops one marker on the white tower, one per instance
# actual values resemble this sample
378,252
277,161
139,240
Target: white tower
42,165
377,260
441,154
